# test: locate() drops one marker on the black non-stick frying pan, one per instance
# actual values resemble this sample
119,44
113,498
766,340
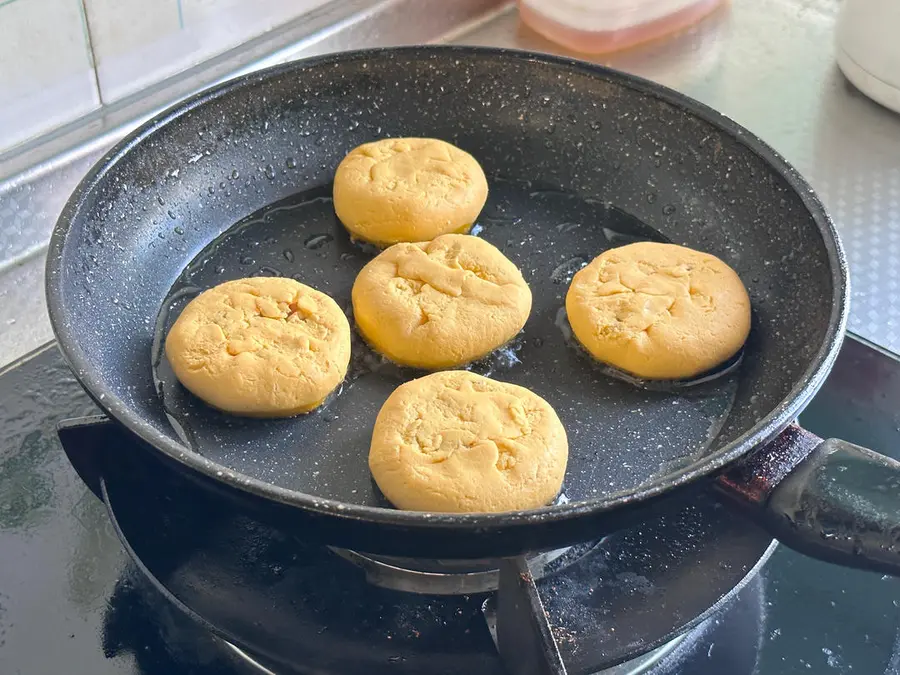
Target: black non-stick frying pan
236,182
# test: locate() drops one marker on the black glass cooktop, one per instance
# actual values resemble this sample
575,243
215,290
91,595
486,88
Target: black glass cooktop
72,602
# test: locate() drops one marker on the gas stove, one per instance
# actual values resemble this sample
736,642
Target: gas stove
116,570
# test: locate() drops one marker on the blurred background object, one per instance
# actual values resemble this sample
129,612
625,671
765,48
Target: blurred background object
868,51
600,26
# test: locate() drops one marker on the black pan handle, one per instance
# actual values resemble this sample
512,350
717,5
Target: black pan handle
829,499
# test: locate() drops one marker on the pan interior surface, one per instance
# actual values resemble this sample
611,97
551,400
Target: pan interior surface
620,435
578,160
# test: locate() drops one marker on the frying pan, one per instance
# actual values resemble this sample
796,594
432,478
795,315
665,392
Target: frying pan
236,181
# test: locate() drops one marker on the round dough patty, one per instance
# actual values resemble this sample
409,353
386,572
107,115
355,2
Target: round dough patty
659,311
408,189
440,304
458,442
263,347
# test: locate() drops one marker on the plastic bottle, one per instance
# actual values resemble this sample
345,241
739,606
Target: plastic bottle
598,26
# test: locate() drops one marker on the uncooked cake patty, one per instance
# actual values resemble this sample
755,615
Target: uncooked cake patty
266,347
458,442
659,311
408,189
440,304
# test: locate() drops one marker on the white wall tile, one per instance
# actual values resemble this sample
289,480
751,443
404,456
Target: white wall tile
46,74
139,42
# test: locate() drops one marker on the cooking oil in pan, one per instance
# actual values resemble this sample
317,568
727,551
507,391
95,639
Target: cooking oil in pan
621,435
725,369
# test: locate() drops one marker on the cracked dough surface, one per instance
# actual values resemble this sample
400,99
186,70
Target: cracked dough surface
408,189
659,311
458,442
440,304
262,347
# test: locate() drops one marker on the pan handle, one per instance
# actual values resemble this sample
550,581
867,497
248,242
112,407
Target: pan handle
829,499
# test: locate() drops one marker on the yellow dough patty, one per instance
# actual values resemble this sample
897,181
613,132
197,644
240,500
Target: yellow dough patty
263,347
458,442
440,304
659,311
408,189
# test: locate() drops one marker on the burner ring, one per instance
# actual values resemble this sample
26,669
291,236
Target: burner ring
454,577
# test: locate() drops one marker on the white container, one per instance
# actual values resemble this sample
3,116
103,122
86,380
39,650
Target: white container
599,26
868,48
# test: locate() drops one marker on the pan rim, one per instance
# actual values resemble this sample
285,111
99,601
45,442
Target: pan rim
766,428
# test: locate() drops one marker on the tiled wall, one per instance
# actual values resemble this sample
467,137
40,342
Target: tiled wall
60,59
46,71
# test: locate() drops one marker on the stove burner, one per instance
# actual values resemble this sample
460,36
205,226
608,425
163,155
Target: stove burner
454,577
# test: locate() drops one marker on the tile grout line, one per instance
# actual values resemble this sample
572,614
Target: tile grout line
86,27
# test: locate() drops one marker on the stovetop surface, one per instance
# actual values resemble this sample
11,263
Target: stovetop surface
71,601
